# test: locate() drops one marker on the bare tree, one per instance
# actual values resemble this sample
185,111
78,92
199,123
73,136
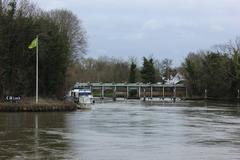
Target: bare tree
25,8
72,26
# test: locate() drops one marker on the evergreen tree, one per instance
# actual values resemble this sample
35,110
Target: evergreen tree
148,71
132,73
20,22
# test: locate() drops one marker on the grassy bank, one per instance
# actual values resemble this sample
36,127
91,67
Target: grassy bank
44,105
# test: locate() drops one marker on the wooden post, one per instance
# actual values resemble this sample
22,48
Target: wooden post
144,96
186,93
127,92
102,92
151,92
139,92
163,93
205,96
114,93
174,94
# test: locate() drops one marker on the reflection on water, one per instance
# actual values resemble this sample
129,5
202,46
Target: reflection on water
125,131
25,135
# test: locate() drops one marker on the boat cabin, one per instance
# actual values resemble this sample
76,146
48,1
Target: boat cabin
80,92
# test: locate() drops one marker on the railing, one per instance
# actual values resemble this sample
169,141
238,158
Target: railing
135,90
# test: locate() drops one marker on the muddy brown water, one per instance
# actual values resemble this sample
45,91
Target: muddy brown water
125,131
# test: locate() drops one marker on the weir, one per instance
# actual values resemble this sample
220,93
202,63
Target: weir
136,90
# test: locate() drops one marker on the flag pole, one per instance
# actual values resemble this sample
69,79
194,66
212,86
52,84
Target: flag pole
37,71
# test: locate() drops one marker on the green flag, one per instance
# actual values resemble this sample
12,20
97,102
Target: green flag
33,44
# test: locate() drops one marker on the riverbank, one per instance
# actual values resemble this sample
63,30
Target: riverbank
44,105
226,99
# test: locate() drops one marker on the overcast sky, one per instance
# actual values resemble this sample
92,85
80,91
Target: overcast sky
162,28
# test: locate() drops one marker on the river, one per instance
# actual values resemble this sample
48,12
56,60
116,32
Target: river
125,131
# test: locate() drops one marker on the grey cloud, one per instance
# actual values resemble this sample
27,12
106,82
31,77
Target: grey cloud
165,28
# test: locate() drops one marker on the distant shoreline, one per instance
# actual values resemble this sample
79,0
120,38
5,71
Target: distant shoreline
214,99
48,105
169,101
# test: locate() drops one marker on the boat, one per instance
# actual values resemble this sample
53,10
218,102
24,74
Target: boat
82,97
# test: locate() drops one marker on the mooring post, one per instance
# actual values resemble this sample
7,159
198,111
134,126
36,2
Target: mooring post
163,96
114,93
186,94
144,96
174,94
127,92
205,97
102,92
151,92
139,92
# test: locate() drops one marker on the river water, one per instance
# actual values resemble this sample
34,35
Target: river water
125,131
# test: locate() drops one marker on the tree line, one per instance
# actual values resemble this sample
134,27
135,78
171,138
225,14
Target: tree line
116,70
62,46
217,70
62,41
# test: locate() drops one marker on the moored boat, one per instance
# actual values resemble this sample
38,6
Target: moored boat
82,97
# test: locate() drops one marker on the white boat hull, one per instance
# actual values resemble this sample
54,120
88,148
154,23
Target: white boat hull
84,102
84,106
